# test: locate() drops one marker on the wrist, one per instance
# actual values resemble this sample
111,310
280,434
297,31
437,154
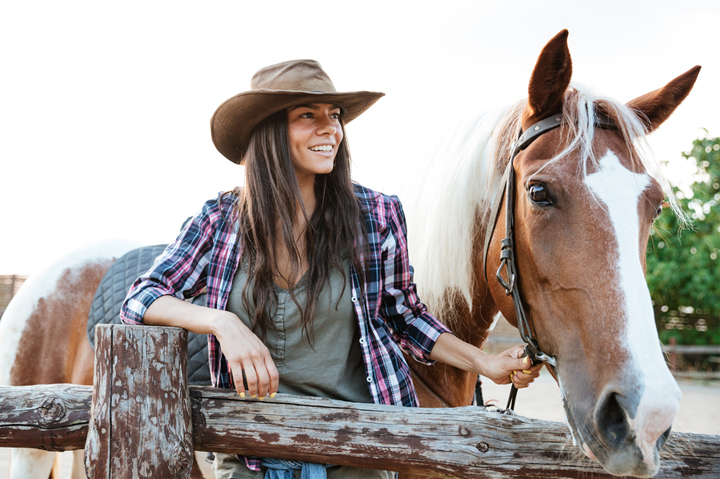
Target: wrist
481,362
220,322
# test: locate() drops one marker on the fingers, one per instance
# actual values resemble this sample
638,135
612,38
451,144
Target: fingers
257,374
524,377
249,360
273,375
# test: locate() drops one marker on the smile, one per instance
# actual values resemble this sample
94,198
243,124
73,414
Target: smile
321,148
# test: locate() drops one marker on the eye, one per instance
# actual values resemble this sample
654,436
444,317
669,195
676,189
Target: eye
540,195
659,209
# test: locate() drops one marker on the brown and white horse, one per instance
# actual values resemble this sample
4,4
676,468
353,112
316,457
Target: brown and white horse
585,200
43,337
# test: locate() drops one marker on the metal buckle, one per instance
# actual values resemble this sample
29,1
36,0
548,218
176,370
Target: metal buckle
508,284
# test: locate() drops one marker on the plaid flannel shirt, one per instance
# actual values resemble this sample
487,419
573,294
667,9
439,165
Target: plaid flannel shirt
390,315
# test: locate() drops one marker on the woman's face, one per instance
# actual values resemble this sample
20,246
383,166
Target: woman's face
315,133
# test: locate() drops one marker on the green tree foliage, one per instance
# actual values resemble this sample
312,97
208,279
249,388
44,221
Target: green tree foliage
683,265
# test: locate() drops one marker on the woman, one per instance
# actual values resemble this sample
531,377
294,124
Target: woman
308,282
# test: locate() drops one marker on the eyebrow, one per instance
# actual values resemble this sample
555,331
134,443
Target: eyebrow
313,106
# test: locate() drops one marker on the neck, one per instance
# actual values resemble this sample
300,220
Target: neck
306,184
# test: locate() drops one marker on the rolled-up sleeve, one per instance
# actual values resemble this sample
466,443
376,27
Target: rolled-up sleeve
414,328
179,271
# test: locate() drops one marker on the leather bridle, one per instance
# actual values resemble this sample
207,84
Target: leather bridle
507,250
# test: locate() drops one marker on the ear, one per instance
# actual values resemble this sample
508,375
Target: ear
549,80
655,107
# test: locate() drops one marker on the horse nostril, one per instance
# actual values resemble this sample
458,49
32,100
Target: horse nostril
611,421
662,439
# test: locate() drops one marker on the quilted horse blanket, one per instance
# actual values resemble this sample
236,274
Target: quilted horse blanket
111,293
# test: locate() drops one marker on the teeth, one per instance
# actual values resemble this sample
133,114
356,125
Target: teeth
322,148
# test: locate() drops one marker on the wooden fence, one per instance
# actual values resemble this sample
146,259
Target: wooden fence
9,286
146,422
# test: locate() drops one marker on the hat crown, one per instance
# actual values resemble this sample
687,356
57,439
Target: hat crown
294,75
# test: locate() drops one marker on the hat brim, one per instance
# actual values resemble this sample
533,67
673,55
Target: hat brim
233,121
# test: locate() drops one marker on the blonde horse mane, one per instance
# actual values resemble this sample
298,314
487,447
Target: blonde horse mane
460,176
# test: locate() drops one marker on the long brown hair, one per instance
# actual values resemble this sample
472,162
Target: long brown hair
270,198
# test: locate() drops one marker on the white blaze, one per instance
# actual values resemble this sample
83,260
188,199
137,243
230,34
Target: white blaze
620,190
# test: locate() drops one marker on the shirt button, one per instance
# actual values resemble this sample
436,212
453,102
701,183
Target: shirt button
354,299
362,340
368,379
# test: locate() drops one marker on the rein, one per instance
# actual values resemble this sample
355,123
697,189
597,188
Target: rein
507,250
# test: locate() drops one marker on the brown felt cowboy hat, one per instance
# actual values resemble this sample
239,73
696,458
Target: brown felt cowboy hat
276,88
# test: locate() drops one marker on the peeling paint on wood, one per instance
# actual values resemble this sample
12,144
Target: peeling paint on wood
455,442
141,426
53,417
141,418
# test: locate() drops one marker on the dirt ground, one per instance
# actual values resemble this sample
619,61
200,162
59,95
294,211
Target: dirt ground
698,411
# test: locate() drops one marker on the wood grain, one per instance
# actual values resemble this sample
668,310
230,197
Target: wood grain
53,417
145,424
457,442
141,419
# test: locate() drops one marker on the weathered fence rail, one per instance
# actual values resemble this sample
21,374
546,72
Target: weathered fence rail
462,441
458,442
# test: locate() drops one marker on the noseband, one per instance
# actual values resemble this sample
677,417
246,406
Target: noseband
507,251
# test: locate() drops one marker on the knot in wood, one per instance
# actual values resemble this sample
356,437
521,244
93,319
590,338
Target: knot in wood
182,453
52,411
482,447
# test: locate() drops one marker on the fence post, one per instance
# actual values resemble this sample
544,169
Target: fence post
141,419
673,354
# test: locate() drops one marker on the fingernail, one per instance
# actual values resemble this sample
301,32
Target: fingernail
254,396
272,395
526,371
526,360
242,395
262,398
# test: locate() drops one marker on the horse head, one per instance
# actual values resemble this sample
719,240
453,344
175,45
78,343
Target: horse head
585,199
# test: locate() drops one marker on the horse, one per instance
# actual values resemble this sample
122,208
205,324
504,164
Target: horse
43,337
583,198
584,201
44,331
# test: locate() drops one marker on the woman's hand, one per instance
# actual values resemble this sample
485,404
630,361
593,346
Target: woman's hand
503,368
246,353
509,366
242,348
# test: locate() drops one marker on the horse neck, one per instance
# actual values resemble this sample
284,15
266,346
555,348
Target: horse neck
454,386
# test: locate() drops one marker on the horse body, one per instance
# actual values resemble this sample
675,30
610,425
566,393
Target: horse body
585,199
43,337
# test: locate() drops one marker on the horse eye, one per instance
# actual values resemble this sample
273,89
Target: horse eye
658,213
539,195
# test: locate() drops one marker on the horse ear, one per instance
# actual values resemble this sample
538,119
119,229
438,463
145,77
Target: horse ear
549,80
655,107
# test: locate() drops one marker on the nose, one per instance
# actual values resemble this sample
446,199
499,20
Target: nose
633,428
611,419
327,127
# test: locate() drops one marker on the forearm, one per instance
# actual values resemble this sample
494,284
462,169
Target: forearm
502,368
171,311
244,351
457,353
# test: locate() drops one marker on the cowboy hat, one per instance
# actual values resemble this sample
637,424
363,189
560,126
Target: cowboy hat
275,88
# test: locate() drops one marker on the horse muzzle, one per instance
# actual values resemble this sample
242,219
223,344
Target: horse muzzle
626,431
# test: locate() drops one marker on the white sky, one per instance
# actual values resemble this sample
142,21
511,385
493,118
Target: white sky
105,106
